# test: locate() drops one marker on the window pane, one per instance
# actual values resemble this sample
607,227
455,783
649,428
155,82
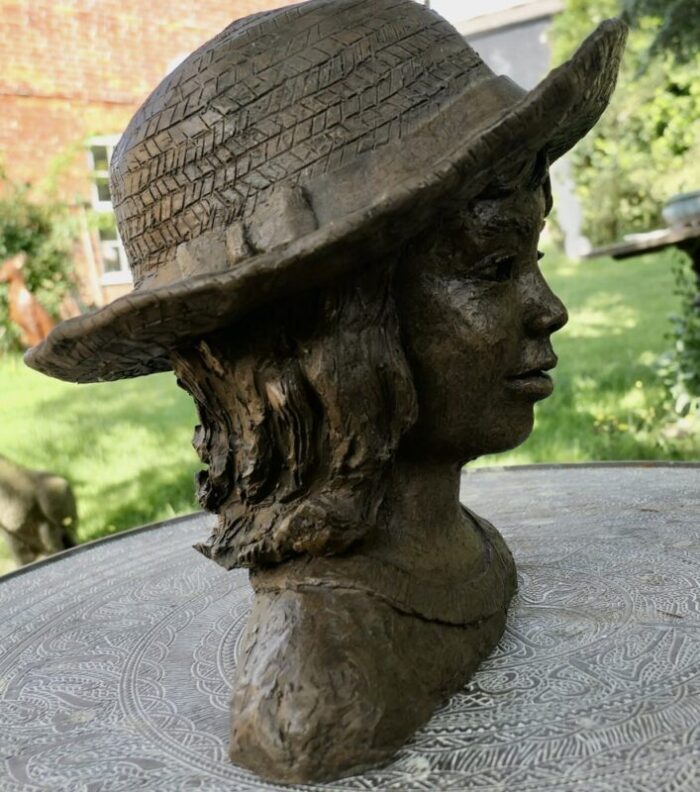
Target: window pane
110,258
108,235
99,158
102,188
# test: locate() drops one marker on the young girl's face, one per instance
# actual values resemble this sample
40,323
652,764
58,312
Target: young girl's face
477,316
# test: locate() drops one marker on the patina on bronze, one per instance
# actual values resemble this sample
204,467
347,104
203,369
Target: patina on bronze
332,212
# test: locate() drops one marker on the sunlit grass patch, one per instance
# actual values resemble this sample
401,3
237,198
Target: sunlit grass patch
125,446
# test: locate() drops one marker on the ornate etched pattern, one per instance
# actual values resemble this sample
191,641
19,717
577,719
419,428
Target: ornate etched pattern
115,661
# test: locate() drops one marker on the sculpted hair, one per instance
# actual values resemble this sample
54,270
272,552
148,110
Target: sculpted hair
301,410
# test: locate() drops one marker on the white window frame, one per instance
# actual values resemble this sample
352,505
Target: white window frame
123,274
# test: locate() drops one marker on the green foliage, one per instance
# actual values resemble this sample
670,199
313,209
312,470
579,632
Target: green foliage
646,148
679,367
679,32
44,230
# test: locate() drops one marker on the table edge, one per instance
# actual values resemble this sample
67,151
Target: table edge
491,469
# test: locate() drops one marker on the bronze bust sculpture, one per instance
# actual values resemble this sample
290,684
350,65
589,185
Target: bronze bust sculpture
331,212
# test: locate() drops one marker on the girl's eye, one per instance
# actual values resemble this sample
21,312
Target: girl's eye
498,268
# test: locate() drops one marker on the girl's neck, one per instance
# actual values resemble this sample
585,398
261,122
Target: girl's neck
422,526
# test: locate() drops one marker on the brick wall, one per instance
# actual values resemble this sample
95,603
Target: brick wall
40,135
74,69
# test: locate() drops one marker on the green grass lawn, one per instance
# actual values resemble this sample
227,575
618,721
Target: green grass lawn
126,446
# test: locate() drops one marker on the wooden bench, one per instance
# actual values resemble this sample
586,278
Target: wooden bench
685,238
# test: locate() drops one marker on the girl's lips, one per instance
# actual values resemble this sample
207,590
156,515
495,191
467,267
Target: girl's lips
535,384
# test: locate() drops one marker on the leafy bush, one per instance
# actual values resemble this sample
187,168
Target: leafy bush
679,31
43,230
646,148
679,367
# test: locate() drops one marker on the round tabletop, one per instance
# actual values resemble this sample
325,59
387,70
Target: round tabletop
116,658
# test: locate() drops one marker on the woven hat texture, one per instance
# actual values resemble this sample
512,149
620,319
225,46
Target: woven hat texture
272,98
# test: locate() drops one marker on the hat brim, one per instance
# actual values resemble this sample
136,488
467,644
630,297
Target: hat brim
134,335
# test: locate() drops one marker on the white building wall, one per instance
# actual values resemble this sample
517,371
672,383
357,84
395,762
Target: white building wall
511,37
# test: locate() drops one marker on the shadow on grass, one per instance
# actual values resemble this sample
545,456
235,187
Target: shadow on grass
574,430
165,493
125,447
110,408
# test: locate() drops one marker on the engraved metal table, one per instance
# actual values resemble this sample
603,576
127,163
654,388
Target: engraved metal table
115,659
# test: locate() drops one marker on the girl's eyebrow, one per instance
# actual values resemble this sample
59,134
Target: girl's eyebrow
523,226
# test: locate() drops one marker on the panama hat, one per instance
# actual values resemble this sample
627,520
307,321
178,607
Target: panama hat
297,145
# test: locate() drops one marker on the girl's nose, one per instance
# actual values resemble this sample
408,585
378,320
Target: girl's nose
545,312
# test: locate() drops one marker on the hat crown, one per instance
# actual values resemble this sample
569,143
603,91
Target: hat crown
276,98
